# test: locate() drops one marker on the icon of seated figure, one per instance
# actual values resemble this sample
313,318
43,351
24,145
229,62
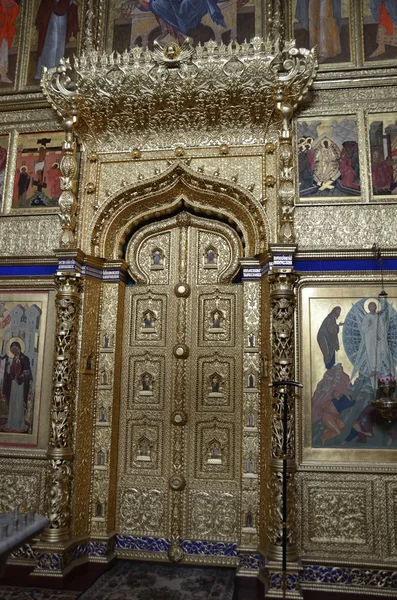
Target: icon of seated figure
215,385
217,321
146,384
148,321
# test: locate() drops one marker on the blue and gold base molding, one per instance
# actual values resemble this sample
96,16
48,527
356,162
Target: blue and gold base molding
368,580
57,560
196,551
328,578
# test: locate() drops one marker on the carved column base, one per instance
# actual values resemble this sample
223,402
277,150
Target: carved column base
57,559
275,553
55,536
272,578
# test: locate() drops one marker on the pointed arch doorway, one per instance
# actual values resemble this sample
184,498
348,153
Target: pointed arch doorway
187,476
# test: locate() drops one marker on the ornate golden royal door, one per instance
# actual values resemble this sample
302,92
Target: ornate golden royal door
181,418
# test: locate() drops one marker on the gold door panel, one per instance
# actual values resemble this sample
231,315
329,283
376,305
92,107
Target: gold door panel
180,435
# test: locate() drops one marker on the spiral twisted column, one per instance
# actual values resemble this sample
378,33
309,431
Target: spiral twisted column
60,450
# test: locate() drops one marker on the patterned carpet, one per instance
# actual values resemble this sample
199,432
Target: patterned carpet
153,581
17,593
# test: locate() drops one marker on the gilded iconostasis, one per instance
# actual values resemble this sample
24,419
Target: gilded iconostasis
200,235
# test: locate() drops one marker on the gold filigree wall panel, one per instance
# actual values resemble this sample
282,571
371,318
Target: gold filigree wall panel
105,416
23,485
321,227
213,515
264,417
29,236
134,513
118,171
85,408
347,515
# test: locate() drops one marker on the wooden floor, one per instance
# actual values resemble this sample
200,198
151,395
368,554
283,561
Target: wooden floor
82,577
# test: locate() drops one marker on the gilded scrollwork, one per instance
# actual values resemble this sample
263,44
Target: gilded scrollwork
60,450
219,88
67,199
21,488
134,513
163,194
31,236
282,339
214,515
320,226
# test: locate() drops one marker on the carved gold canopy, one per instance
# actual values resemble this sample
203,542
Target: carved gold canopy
171,97
194,96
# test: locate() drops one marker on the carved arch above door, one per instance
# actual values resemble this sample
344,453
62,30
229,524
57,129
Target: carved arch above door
179,186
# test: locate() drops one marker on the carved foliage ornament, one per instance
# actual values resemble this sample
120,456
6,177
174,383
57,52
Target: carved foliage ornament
150,97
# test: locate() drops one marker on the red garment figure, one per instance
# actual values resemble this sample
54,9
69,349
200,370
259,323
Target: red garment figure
382,172
9,11
346,168
53,181
56,23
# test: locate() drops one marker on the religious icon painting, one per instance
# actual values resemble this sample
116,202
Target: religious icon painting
54,35
383,153
22,332
328,157
140,22
37,172
348,349
10,25
325,24
379,31
3,164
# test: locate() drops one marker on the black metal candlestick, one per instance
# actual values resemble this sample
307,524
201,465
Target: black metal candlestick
284,393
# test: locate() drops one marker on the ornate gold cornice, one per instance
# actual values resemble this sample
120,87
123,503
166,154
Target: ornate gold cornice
196,96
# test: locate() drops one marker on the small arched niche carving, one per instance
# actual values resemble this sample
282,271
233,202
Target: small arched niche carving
99,509
146,384
101,458
251,383
249,520
148,321
217,321
103,415
143,449
214,452
210,258
250,420
157,259
215,385
107,344
250,466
